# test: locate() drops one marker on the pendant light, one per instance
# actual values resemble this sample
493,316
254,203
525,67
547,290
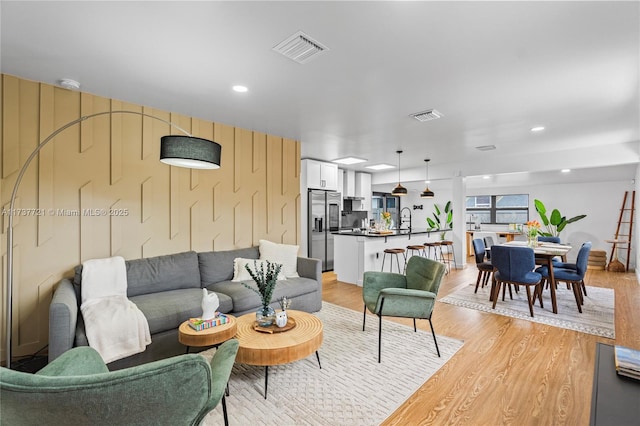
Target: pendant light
427,193
399,189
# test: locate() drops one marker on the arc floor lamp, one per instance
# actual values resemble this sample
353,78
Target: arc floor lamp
176,150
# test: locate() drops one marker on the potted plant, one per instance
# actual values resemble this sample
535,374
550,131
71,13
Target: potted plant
556,222
266,282
439,220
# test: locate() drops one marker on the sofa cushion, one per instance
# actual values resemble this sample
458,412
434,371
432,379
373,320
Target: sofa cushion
216,266
240,272
159,273
285,254
163,273
245,299
168,309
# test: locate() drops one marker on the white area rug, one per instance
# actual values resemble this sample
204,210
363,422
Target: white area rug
597,315
351,388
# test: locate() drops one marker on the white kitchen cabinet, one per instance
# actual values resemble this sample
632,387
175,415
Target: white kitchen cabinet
320,175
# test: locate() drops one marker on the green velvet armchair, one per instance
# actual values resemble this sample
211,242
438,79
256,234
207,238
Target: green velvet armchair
78,389
408,296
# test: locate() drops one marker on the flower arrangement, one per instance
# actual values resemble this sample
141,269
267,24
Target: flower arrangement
265,280
386,216
533,228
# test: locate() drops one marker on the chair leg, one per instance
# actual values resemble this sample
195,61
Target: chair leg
577,292
584,287
480,277
539,294
487,275
434,336
364,316
224,411
496,293
529,300
415,330
380,330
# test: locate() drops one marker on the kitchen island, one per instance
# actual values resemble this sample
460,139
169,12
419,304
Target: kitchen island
359,251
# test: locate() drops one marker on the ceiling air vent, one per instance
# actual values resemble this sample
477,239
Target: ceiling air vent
300,48
431,114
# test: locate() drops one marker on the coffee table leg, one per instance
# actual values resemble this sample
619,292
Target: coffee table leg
266,380
187,350
318,356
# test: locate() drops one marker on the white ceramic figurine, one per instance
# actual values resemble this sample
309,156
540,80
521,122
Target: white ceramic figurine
210,304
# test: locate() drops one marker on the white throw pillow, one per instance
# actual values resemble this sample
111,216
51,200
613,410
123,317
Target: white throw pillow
285,254
240,273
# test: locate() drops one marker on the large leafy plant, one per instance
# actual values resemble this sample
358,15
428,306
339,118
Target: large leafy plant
440,219
555,223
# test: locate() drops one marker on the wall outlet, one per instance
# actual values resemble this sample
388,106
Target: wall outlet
417,207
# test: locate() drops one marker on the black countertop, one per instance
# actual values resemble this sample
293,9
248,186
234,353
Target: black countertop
393,233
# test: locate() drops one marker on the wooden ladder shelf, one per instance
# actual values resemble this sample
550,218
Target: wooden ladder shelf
624,230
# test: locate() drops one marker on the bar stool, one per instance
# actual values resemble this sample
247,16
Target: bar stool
436,246
449,245
393,252
420,248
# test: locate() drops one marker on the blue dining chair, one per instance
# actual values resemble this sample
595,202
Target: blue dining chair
485,269
573,276
514,265
557,261
544,239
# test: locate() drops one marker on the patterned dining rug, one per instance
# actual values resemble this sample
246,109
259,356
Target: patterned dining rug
350,389
597,315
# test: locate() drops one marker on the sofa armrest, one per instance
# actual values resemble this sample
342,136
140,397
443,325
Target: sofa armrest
63,316
310,268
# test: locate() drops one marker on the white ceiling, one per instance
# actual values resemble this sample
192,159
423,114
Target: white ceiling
494,69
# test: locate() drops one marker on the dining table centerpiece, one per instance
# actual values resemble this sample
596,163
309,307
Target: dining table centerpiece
266,281
533,229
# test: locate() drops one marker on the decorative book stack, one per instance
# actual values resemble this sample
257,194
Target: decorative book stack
627,362
199,324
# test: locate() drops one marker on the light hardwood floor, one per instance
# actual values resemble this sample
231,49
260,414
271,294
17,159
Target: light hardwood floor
509,371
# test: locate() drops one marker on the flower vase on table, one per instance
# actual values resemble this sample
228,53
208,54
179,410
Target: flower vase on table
265,283
533,226
265,316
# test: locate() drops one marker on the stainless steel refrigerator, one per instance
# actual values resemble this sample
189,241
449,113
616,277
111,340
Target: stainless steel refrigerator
324,218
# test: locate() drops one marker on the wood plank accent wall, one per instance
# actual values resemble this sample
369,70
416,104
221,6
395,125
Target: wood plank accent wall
102,191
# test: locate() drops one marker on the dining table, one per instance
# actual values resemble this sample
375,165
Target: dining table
544,253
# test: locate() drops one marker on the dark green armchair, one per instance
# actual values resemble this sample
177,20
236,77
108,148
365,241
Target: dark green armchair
408,296
78,389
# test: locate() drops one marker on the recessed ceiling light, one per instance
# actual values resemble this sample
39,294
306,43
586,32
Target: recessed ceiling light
537,129
565,170
380,167
240,89
486,147
349,160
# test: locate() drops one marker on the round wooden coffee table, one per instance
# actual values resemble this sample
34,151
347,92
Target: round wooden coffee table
265,349
208,337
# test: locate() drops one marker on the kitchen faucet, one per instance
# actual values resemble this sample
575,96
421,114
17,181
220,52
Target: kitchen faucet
402,218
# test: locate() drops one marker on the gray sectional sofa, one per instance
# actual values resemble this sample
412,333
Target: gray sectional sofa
168,290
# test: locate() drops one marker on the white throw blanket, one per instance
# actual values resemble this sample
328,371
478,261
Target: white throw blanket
115,327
